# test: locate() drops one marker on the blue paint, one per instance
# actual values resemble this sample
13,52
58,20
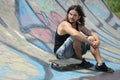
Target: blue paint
108,53
104,14
36,64
35,78
97,11
4,69
27,19
63,75
26,15
56,74
68,75
71,74
45,17
42,45
115,66
108,41
110,34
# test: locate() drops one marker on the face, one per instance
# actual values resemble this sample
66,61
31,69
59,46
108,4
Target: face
73,16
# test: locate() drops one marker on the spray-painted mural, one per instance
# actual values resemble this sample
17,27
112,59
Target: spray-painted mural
39,20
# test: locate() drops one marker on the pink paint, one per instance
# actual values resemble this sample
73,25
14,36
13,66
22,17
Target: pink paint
56,17
42,34
49,23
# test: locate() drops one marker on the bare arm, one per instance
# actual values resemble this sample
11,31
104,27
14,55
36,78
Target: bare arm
66,28
96,41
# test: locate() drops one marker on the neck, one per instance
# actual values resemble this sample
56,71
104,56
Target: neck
73,25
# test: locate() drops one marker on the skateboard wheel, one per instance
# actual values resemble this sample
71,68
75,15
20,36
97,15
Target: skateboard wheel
54,64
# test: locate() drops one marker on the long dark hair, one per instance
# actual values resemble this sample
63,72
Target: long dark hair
79,9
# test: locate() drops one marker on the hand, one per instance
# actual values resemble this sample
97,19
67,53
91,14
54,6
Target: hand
93,42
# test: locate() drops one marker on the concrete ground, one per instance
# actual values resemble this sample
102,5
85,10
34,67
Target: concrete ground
27,29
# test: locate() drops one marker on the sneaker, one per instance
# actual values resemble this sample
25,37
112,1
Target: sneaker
85,64
104,68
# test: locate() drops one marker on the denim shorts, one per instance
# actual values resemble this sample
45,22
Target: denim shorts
67,51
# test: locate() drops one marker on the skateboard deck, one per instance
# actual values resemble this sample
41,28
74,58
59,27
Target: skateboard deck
65,64
69,64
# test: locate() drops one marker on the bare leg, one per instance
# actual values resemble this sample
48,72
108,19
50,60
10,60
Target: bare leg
77,45
96,54
77,48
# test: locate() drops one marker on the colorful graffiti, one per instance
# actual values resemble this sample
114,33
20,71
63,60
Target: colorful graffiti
38,25
41,26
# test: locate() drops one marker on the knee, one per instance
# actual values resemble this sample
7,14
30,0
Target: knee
91,38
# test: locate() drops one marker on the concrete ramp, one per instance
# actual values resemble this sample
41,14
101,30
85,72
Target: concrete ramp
27,29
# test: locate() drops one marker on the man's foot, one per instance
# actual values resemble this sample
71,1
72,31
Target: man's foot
103,68
85,64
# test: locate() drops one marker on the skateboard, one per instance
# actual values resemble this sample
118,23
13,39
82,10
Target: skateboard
71,64
65,64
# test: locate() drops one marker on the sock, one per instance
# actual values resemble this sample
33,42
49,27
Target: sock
99,64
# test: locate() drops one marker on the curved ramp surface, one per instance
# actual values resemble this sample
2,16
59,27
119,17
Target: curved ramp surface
27,29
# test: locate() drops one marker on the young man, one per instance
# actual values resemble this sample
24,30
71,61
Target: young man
70,41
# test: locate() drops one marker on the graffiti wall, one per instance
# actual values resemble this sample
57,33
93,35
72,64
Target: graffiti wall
37,21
